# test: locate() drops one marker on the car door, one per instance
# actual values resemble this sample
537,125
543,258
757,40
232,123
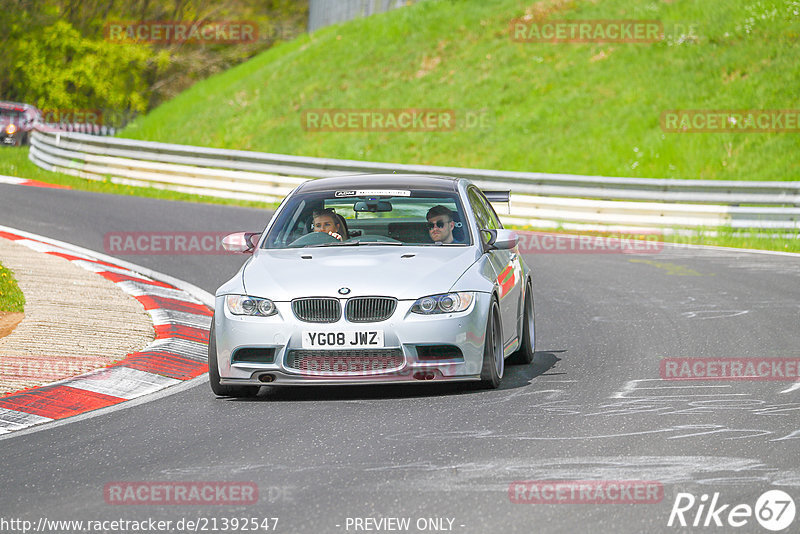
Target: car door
505,266
512,275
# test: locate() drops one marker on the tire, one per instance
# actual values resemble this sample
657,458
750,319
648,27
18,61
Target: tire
213,373
524,355
493,360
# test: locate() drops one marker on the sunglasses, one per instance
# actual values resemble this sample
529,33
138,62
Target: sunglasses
437,224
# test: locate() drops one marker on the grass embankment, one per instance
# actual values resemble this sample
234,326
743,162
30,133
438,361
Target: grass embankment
14,162
11,298
578,108
565,108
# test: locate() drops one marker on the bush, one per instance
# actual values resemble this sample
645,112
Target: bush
57,68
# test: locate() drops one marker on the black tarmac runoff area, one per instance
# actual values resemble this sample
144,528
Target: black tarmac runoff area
595,436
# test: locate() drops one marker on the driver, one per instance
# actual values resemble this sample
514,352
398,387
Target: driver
440,224
326,220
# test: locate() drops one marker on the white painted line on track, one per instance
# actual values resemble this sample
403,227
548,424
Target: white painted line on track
162,316
122,382
183,386
190,349
119,381
12,180
138,289
731,249
793,387
95,267
202,295
46,247
13,419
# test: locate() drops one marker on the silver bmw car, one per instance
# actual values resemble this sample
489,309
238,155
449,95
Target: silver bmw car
374,279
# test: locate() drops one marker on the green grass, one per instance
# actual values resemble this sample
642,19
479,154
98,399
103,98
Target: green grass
564,108
11,297
750,239
14,162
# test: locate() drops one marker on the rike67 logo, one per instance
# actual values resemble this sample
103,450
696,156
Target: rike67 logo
774,510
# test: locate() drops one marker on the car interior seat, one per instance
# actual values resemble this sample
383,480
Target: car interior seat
409,232
458,231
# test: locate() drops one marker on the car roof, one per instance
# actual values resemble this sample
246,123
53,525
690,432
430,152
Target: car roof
17,106
388,181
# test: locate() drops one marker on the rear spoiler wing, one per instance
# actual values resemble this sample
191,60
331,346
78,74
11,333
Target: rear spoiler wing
498,196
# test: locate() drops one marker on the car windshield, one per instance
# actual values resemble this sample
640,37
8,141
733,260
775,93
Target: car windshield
370,218
10,115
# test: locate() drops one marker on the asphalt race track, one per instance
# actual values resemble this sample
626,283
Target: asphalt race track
592,407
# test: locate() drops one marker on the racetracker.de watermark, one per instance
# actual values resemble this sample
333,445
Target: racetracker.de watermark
553,243
332,365
181,32
586,492
748,369
49,368
393,120
164,243
180,493
529,30
72,116
731,121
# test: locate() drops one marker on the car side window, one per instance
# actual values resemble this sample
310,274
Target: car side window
486,218
478,209
495,220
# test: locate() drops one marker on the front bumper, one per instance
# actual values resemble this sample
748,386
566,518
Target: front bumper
404,331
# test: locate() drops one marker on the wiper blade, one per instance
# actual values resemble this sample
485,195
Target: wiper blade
332,244
437,244
369,243
356,243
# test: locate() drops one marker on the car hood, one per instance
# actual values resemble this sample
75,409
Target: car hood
402,272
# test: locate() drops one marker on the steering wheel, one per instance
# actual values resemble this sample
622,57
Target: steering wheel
374,238
314,238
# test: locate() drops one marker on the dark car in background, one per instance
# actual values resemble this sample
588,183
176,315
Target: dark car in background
16,122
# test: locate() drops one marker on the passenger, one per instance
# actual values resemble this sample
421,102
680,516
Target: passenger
326,220
440,224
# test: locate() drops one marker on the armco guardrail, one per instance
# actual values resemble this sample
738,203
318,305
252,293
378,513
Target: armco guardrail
538,199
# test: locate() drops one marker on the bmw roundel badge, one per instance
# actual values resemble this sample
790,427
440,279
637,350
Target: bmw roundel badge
344,291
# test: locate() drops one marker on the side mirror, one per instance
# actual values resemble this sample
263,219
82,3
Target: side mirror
500,239
244,242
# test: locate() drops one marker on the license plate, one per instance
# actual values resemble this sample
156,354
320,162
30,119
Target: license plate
359,339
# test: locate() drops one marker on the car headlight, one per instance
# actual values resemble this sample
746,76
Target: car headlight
244,305
11,129
444,303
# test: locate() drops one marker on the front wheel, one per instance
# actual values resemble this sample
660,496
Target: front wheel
213,373
493,359
524,355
